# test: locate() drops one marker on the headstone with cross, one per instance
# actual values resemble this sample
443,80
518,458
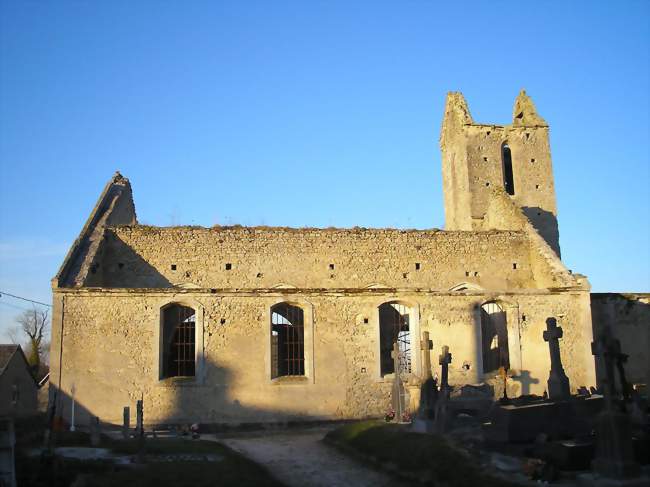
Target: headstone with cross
442,420
424,422
398,399
614,449
444,360
558,382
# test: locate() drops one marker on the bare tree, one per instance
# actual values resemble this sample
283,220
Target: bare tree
32,330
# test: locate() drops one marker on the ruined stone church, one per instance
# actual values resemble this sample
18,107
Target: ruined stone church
257,324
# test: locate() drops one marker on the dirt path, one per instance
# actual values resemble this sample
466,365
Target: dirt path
299,458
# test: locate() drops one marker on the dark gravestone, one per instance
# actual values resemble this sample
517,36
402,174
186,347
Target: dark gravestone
442,405
424,422
126,422
140,430
444,361
614,449
398,399
558,382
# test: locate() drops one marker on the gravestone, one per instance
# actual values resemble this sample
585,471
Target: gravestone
614,449
398,399
558,382
139,418
126,422
444,361
7,455
442,405
424,422
95,431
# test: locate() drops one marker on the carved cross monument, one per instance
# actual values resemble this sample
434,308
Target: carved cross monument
428,390
426,346
614,449
444,361
558,382
398,401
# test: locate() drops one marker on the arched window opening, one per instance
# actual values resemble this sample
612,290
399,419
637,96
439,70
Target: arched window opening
394,326
287,340
178,341
508,179
494,332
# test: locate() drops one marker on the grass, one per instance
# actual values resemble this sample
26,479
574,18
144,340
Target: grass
429,458
232,469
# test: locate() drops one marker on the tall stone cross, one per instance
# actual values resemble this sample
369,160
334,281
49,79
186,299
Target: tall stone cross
608,349
614,448
558,382
426,346
428,390
398,401
444,361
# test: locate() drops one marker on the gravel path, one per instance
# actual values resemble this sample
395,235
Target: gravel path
299,458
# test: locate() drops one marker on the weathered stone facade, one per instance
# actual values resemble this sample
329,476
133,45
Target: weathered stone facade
119,277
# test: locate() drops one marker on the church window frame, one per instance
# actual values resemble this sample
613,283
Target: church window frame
507,169
161,343
307,376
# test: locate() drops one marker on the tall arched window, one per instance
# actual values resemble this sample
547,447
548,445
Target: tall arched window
508,179
178,341
494,333
394,326
287,340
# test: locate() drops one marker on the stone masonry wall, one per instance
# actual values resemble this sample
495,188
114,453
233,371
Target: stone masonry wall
109,351
258,258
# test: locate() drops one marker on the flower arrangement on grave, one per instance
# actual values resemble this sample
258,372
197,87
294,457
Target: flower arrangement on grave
406,417
390,415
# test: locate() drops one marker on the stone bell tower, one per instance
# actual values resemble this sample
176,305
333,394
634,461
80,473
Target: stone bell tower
516,157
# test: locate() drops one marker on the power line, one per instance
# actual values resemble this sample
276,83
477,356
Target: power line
25,299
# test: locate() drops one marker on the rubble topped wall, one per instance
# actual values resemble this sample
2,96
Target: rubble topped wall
254,258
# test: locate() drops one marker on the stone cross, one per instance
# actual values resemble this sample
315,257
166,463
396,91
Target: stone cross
424,422
425,346
126,424
444,361
558,382
398,386
614,449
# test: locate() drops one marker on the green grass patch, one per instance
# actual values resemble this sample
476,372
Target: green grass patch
427,457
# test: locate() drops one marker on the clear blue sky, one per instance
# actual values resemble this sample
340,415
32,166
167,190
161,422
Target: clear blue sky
311,114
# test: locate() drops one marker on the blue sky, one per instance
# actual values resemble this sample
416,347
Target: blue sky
311,114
